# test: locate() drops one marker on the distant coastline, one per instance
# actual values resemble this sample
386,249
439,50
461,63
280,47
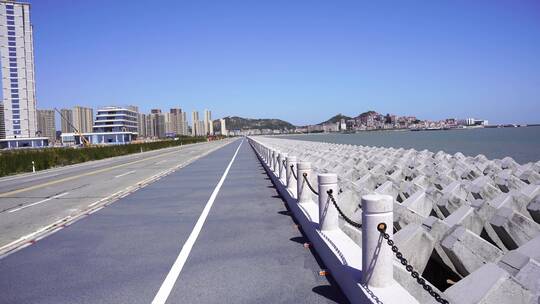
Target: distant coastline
520,143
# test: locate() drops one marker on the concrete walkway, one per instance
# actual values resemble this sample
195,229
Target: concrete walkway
248,250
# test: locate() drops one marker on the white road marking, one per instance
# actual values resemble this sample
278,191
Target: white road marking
161,161
124,174
174,273
104,199
39,202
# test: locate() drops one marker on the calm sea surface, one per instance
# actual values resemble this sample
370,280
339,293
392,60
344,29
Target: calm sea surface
522,144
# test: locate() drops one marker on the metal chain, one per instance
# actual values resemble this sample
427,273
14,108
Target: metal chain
293,174
381,227
347,219
309,185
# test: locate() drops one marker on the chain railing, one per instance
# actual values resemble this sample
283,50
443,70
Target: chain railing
293,174
346,218
309,185
381,227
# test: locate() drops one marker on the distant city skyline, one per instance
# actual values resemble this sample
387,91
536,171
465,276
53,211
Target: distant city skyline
267,60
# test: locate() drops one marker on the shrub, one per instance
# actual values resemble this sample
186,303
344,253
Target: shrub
18,161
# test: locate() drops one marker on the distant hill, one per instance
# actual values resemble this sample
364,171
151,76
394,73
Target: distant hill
371,112
239,123
335,119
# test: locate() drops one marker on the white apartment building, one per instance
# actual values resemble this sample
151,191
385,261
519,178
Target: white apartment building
113,125
208,125
195,129
18,85
223,127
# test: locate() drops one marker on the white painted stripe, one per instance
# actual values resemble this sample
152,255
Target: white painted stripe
124,174
104,199
37,203
172,276
161,161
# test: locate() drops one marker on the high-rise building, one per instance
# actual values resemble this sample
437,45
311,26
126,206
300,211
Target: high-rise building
2,126
195,131
208,124
200,128
46,124
223,127
185,128
141,121
157,121
17,60
176,121
66,119
83,119
149,126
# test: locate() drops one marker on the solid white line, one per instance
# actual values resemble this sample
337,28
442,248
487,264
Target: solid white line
172,276
37,203
124,174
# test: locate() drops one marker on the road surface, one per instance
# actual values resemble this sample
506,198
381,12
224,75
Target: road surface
214,231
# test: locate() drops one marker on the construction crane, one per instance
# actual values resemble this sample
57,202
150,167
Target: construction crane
84,141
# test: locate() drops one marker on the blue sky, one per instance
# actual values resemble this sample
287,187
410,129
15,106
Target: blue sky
301,61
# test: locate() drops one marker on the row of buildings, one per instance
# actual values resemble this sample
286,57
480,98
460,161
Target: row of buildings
23,125
372,120
122,124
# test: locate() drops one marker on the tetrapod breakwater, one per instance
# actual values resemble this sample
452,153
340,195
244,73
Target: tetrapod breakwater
407,226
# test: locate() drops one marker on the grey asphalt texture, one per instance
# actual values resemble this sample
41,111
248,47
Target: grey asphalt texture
248,250
84,184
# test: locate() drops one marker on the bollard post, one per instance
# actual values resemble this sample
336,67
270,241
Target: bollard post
291,181
328,215
272,153
33,167
278,168
282,168
303,193
377,265
275,161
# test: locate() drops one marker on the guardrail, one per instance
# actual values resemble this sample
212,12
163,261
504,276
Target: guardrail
364,274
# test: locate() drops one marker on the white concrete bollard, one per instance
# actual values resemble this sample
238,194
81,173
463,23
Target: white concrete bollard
377,261
283,168
291,181
273,160
302,191
33,167
328,214
278,168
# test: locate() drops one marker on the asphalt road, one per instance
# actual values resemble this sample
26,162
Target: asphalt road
247,251
32,202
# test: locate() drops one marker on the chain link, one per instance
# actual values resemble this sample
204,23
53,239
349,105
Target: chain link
382,229
309,185
347,219
293,174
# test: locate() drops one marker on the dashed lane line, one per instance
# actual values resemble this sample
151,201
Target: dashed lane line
124,174
38,202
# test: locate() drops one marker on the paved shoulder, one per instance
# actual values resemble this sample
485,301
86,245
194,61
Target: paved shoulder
249,250
120,254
